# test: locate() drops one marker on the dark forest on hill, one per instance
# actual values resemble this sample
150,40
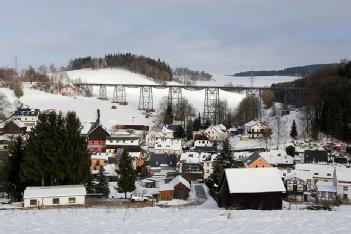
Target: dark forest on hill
328,99
291,71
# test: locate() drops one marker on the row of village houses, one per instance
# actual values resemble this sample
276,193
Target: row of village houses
173,162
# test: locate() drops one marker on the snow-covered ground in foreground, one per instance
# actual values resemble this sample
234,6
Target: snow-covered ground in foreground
206,218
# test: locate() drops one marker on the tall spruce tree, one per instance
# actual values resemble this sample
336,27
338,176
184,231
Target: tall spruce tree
90,184
15,185
76,156
293,132
168,116
102,184
189,130
197,123
126,174
224,160
56,154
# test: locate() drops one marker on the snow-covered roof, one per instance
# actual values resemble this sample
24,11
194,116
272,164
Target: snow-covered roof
4,138
54,191
343,174
254,180
319,170
302,175
325,186
253,123
85,128
222,127
277,158
19,123
180,179
103,156
190,157
110,170
134,154
218,129
232,130
166,187
168,144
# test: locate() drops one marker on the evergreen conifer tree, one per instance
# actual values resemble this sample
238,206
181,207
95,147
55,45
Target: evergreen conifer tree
168,116
224,160
126,174
56,153
197,123
16,155
102,184
293,132
189,130
90,185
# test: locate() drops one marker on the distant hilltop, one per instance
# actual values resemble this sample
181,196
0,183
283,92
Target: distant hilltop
299,71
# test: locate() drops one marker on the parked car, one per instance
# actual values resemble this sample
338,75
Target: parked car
139,197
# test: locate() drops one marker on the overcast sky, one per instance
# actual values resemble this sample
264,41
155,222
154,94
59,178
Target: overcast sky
216,36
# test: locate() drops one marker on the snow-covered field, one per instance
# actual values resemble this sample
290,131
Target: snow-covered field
206,218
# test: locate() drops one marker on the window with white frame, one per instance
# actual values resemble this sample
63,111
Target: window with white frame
71,200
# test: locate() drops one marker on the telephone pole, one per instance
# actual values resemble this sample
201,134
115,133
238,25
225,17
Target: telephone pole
16,63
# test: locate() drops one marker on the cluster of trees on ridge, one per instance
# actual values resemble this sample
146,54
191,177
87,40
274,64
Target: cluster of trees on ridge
186,76
291,71
158,70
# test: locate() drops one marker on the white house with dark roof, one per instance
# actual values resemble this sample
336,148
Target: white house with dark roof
64,195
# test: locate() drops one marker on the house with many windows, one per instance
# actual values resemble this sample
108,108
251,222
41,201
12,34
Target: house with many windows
122,140
216,132
96,137
342,182
28,116
298,185
255,129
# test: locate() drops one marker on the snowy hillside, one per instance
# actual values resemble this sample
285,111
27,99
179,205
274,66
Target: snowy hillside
86,107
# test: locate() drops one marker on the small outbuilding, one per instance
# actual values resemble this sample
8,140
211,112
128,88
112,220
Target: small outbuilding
65,195
177,188
251,188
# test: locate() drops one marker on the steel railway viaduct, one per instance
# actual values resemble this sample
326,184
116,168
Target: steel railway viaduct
211,99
